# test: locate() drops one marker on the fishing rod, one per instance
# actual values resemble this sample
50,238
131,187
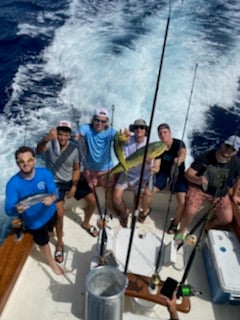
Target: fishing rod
83,151
103,218
175,171
17,224
222,181
135,215
196,245
155,277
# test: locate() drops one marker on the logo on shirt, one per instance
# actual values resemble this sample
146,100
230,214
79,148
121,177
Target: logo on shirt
41,185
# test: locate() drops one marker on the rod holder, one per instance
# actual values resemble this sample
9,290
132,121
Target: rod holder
154,283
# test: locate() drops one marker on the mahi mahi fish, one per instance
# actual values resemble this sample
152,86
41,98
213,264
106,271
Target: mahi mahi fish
119,140
155,149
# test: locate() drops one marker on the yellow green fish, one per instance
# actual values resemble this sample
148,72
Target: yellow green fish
119,140
155,149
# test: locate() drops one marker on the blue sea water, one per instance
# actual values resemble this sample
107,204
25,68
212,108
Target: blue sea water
61,59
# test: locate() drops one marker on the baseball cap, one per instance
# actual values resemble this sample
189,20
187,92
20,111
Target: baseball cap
64,124
101,112
233,141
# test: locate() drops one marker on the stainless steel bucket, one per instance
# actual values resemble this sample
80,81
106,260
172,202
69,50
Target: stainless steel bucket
105,288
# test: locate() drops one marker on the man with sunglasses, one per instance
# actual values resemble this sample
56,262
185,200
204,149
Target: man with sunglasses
98,137
37,217
210,177
131,178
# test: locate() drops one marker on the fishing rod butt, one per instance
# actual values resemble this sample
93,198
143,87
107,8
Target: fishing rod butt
108,259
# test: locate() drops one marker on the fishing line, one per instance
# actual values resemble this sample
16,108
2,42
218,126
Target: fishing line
26,131
103,218
158,261
134,217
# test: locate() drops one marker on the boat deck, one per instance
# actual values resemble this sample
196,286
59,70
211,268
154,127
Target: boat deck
40,294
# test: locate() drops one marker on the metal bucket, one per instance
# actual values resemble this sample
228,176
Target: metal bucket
105,288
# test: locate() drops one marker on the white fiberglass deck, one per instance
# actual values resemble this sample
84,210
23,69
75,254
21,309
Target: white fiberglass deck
40,294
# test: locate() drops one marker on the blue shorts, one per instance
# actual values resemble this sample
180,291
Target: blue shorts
162,179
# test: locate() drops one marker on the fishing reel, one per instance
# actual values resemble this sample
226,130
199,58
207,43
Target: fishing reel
18,228
187,290
191,240
17,223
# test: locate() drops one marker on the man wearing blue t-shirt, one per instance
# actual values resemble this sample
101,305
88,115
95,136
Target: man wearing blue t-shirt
99,137
37,217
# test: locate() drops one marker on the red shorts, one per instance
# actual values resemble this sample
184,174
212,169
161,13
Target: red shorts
99,178
195,197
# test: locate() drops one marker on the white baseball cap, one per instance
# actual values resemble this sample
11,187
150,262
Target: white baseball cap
233,141
101,112
64,124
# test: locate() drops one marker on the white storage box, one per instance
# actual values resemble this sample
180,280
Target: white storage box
221,252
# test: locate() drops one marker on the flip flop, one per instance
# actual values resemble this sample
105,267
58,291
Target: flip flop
172,229
179,238
59,255
142,217
91,230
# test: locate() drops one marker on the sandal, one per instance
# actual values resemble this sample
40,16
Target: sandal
91,230
59,256
172,229
179,238
142,217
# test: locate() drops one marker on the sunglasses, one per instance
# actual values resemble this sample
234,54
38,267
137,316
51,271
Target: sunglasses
99,121
139,127
21,161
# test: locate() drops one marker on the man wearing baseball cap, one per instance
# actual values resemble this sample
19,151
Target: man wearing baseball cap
210,176
63,159
98,137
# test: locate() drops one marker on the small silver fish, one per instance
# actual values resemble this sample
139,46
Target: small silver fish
34,199
56,147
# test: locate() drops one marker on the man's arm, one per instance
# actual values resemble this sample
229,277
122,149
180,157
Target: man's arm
236,191
172,307
191,176
181,156
75,179
42,145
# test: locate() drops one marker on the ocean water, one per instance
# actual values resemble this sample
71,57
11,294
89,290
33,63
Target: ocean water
62,59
